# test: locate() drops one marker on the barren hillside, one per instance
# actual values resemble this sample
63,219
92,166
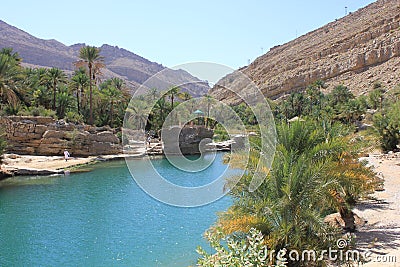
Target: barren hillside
356,51
119,62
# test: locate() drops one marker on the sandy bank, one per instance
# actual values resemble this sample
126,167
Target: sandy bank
381,235
45,165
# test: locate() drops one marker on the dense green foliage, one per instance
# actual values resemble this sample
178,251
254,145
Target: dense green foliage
80,97
151,111
387,120
340,104
315,172
378,108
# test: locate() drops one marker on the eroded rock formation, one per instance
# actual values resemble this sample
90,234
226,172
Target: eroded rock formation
187,140
356,51
46,136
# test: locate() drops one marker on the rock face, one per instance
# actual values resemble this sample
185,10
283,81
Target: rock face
189,139
356,51
45,136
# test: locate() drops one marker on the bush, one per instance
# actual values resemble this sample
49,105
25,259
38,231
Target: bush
9,109
388,127
220,134
249,251
37,111
73,117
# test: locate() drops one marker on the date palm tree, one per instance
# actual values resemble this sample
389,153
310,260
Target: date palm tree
65,101
13,55
152,93
113,95
55,76
79,81
312,174
9,79
90,58
172,92
136,113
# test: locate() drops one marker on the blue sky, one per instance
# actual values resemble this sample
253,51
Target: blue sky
177,31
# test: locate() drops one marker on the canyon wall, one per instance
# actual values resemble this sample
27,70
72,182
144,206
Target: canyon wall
357,50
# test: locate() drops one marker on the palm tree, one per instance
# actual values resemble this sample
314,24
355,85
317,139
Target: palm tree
64,100
137,114
185,96
114,95
54,77
79,81
118,83
152,93
90,57
13,55
341,94
209,100
161,107
312,174
9,79
172,92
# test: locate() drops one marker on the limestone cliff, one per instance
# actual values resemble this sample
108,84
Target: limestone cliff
45,136
356,51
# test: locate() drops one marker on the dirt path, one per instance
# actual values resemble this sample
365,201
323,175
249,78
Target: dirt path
381,235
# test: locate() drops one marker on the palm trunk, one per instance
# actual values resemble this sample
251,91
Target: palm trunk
54,95
208,114
77,99
90,96
112,113
348,218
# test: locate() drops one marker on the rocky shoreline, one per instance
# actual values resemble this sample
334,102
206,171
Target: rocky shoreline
16,165
44,136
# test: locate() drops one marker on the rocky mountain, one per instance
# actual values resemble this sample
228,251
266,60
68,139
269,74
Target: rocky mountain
356,50
119,62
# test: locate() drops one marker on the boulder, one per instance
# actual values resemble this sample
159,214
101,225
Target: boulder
335,220
187,140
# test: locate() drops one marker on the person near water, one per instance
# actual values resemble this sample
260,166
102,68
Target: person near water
66,155
149,140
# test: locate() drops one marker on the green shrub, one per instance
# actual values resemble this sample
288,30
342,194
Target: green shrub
220,134
388,127
73,117
37,111
249,251
9,109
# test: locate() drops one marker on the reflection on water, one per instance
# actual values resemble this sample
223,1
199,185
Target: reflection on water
30,180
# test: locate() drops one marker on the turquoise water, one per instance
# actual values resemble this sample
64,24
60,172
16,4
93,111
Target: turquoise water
101,218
